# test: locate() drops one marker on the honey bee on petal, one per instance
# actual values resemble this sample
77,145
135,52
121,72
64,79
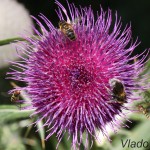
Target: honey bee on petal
144,111
67,29
15,96
117,91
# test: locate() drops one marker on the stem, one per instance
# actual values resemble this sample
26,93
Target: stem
11,40
14,40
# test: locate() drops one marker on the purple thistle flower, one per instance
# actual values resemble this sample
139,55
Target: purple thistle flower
69,81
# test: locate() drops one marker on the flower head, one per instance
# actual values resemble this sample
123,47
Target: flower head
69,81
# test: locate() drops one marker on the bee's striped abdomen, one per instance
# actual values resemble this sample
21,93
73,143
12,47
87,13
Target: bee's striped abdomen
67,29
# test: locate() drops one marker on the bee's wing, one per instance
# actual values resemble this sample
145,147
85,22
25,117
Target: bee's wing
76,20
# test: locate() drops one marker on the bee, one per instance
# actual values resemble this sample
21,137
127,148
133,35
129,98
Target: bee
117,91
144,111
15,96
67,29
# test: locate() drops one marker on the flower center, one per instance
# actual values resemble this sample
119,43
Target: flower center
80,78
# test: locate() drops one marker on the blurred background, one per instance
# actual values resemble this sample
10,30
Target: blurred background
15,20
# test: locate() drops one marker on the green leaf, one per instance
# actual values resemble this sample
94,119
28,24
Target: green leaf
137,134
41,133
10,138
10,113
147,68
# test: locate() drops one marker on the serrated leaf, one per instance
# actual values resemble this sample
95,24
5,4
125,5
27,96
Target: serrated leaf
10,113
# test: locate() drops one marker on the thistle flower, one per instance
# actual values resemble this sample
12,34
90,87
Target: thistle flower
69,81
